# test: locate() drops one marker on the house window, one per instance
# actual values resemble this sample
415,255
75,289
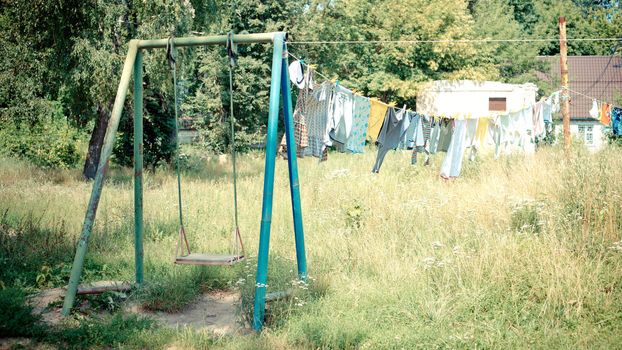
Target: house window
587,134
497,104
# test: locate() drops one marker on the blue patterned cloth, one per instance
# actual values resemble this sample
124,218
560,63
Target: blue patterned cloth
358,133
616,121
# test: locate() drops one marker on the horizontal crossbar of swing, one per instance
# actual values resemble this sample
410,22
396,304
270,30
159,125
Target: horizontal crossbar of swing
210,40
208,259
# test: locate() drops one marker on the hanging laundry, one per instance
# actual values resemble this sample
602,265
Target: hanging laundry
390,134
296,74
605,116
547,112
376,118
317,108
616,121
422,137
538,120
445,134
301,135
452,164
594,112
434,135
501,133
340,120
469,139
481,132
555,98
408,138
356,140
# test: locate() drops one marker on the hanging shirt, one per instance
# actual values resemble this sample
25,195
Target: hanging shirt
390,134
376,118
411,127
422,138
317,108
452,164
356,140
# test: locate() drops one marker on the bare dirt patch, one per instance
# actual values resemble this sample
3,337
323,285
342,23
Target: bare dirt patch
215,312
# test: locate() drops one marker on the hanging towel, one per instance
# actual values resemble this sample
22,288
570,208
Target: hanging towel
481,132
605,117
452,163
356,140
376,118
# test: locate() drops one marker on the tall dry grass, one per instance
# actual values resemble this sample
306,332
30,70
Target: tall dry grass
519,252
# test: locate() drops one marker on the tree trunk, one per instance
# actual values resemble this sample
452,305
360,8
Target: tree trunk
96,142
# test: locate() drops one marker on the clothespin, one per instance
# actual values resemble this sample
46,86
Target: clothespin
337,82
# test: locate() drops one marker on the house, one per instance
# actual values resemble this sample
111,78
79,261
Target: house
468,98
589,77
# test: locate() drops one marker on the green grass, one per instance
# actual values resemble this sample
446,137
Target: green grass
519,252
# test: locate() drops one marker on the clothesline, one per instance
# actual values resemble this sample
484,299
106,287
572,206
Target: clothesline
327,78
592,98
388,105
449,41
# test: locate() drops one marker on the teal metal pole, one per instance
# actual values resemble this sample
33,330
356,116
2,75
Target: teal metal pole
138,166
292,165
87,227
268,185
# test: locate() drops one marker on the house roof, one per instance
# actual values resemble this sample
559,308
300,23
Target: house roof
599,77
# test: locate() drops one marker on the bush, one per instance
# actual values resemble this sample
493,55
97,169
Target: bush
49,144
16,318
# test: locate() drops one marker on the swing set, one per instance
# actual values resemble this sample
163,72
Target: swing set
280,91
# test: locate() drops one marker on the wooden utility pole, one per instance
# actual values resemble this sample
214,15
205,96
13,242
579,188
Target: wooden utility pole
565,94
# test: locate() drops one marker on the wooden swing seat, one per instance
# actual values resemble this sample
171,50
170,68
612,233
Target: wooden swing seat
209,259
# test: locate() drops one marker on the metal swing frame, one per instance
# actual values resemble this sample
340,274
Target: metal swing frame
279,91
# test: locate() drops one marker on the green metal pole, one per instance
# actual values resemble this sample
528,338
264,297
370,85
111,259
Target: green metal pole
292,164
87,227
138,166
210,40
268,185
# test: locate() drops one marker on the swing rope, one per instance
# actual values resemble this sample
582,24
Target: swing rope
237,237
170,57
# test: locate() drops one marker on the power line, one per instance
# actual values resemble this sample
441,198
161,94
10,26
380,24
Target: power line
448,41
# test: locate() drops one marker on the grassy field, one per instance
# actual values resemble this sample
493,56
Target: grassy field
520,252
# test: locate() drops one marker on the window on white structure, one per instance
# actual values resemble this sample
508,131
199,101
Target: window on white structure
497,104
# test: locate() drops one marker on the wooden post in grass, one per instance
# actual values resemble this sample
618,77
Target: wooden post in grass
565,94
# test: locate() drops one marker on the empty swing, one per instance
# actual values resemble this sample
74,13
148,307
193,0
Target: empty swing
187,257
